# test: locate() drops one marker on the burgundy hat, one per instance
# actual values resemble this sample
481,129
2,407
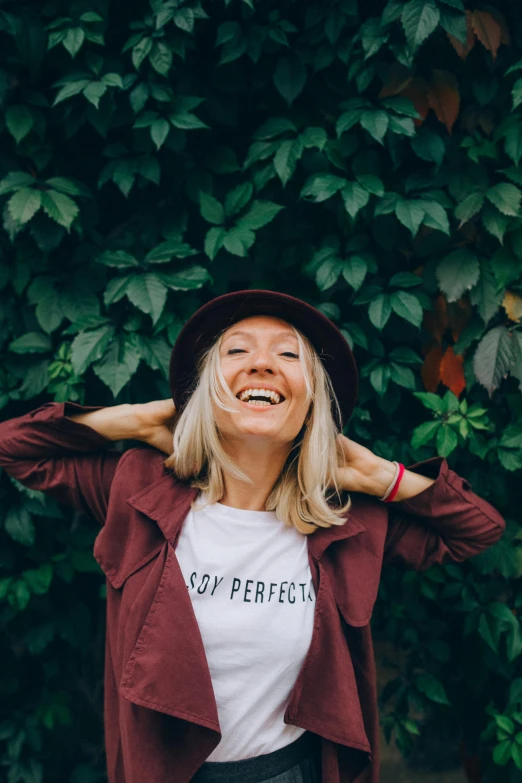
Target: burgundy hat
205,325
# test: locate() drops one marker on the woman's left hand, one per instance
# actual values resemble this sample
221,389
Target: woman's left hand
363,471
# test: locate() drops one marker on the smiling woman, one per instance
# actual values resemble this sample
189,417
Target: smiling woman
240,581
286,444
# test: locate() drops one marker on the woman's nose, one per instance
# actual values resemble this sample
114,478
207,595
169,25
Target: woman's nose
261,360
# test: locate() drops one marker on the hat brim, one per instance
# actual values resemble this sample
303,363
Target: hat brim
205,325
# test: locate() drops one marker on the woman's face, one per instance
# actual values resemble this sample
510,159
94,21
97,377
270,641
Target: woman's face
262,353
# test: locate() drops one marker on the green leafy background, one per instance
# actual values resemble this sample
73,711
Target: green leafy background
361,155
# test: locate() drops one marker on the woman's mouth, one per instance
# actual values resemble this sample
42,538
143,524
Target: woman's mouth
260,398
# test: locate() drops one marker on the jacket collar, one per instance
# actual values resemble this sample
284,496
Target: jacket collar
167,501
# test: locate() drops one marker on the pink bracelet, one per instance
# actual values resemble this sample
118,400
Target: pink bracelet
394,486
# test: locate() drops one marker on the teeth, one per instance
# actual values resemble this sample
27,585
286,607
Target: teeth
244,396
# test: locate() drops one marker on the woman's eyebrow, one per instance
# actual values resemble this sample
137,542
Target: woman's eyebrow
239,332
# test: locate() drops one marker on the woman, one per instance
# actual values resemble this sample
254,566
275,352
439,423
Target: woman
243,550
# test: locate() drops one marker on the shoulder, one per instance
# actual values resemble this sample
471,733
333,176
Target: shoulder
138,467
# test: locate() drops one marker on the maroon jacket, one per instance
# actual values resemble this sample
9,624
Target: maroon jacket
161,720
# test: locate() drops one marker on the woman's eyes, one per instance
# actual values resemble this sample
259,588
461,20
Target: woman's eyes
285,353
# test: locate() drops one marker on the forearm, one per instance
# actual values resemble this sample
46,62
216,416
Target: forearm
411,483
116,422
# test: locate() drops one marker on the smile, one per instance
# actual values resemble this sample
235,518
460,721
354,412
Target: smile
260,398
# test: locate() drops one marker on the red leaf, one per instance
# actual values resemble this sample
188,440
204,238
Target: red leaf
452,371
444,97
488,31
430,370
464,49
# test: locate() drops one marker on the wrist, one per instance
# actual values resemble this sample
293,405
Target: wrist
142,425
381,477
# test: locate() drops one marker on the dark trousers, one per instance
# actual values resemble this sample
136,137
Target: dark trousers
299,762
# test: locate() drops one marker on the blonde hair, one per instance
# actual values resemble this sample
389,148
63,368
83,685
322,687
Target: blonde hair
306,494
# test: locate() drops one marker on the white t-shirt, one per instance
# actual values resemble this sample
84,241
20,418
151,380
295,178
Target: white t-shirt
251,588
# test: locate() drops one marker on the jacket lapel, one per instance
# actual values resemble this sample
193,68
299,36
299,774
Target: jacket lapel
169,657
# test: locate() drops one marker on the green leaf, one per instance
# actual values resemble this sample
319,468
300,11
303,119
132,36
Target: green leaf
59,207
161,58
188,279
159,130
354,271
516,754
24,204
435,216
165,251
401,105
113,80
431,401
15,180
347,120
424,433
505,197
502,752
403,126
19,525
31,342
211,210
94,92
140,51
88,347
39,579
238,240
494,222
148,293
355,197
19,121
516,93
238,198
469,207
70,89
513,141
410,214
214,242
320,187
74,39
492,358
376,123
118,363
65,185
274,127
432,688
371,183
186,121
458,272
119,259
91,16
419,19
428,146
290,78
407,306
314,138
259,214
286,158
380,310
328,273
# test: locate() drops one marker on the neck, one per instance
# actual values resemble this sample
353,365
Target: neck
262,463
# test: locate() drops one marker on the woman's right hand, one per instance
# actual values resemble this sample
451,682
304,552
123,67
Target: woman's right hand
157,421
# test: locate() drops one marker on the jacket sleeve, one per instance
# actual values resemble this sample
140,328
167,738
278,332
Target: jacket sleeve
69,461
446,522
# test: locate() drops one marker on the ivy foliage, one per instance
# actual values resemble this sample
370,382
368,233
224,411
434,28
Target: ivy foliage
361,155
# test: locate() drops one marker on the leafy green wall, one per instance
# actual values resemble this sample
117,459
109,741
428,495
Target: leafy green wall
361,155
